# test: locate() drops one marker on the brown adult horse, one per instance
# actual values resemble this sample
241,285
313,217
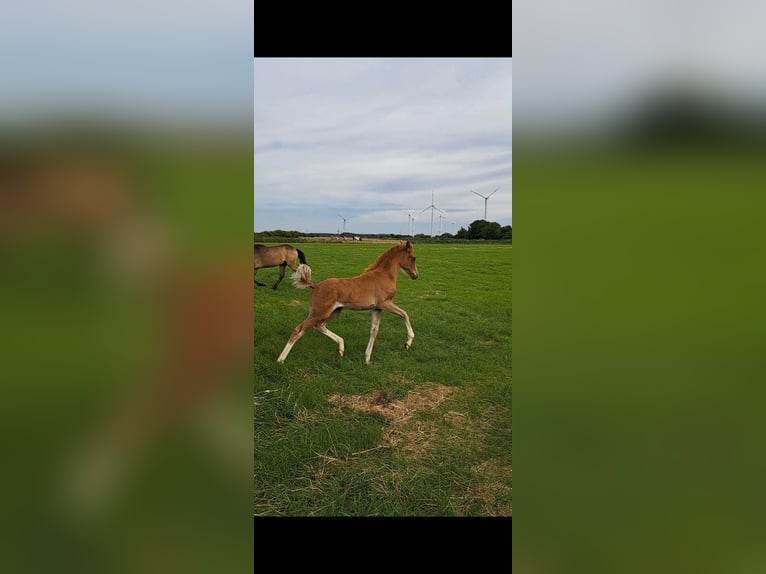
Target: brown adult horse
373,291
281,255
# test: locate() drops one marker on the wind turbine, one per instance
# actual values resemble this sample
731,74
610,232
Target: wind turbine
432,207
485,200
411,224
345,219
440,223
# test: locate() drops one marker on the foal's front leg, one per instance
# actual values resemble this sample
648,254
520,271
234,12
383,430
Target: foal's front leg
391,308
373,333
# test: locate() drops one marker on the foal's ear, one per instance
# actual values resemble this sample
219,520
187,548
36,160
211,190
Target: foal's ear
407,245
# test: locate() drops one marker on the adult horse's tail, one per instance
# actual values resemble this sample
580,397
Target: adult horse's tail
302,277
301,256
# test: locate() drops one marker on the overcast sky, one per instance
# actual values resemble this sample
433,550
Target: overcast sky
371,139
142,60
586,63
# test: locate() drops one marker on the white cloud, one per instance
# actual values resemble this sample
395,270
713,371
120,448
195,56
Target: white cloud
377,136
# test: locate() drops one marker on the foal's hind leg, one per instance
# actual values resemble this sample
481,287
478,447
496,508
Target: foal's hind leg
281,275
294,336
391,308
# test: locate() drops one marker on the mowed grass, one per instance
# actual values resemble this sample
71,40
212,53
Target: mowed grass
418,432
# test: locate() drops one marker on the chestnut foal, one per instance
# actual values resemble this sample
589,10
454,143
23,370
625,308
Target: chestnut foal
373,291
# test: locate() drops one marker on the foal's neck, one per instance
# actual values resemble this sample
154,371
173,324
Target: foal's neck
391,268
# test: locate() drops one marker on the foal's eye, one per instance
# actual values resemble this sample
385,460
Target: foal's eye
413,259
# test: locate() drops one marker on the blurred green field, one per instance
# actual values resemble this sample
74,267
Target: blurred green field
418,432
640,327
91,275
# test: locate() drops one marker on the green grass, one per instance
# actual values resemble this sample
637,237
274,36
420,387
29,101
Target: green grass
451,459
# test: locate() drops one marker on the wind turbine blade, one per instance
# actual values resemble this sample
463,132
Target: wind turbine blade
480,195
490,195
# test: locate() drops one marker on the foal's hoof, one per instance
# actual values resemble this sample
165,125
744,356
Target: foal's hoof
407,346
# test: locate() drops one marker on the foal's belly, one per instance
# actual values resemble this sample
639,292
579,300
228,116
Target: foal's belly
358,305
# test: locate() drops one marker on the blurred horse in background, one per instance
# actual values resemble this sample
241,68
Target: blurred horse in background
280,255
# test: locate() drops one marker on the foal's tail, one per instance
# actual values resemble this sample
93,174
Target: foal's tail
302,277
301,256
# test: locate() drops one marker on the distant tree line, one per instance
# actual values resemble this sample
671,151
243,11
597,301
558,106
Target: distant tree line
482,229
277,233
479,229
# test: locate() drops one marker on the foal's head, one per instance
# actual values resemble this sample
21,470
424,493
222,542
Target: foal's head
407,261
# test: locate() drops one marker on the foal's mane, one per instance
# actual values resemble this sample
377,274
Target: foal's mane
386,256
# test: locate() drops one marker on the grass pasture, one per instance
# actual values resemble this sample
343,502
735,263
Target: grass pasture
418,432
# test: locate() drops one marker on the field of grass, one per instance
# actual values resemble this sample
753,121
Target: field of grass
418,432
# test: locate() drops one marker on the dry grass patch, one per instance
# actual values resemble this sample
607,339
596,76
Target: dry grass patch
427,396
491,489
411,436
456,419
303,415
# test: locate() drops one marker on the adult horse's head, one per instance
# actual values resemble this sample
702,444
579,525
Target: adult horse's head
407,261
